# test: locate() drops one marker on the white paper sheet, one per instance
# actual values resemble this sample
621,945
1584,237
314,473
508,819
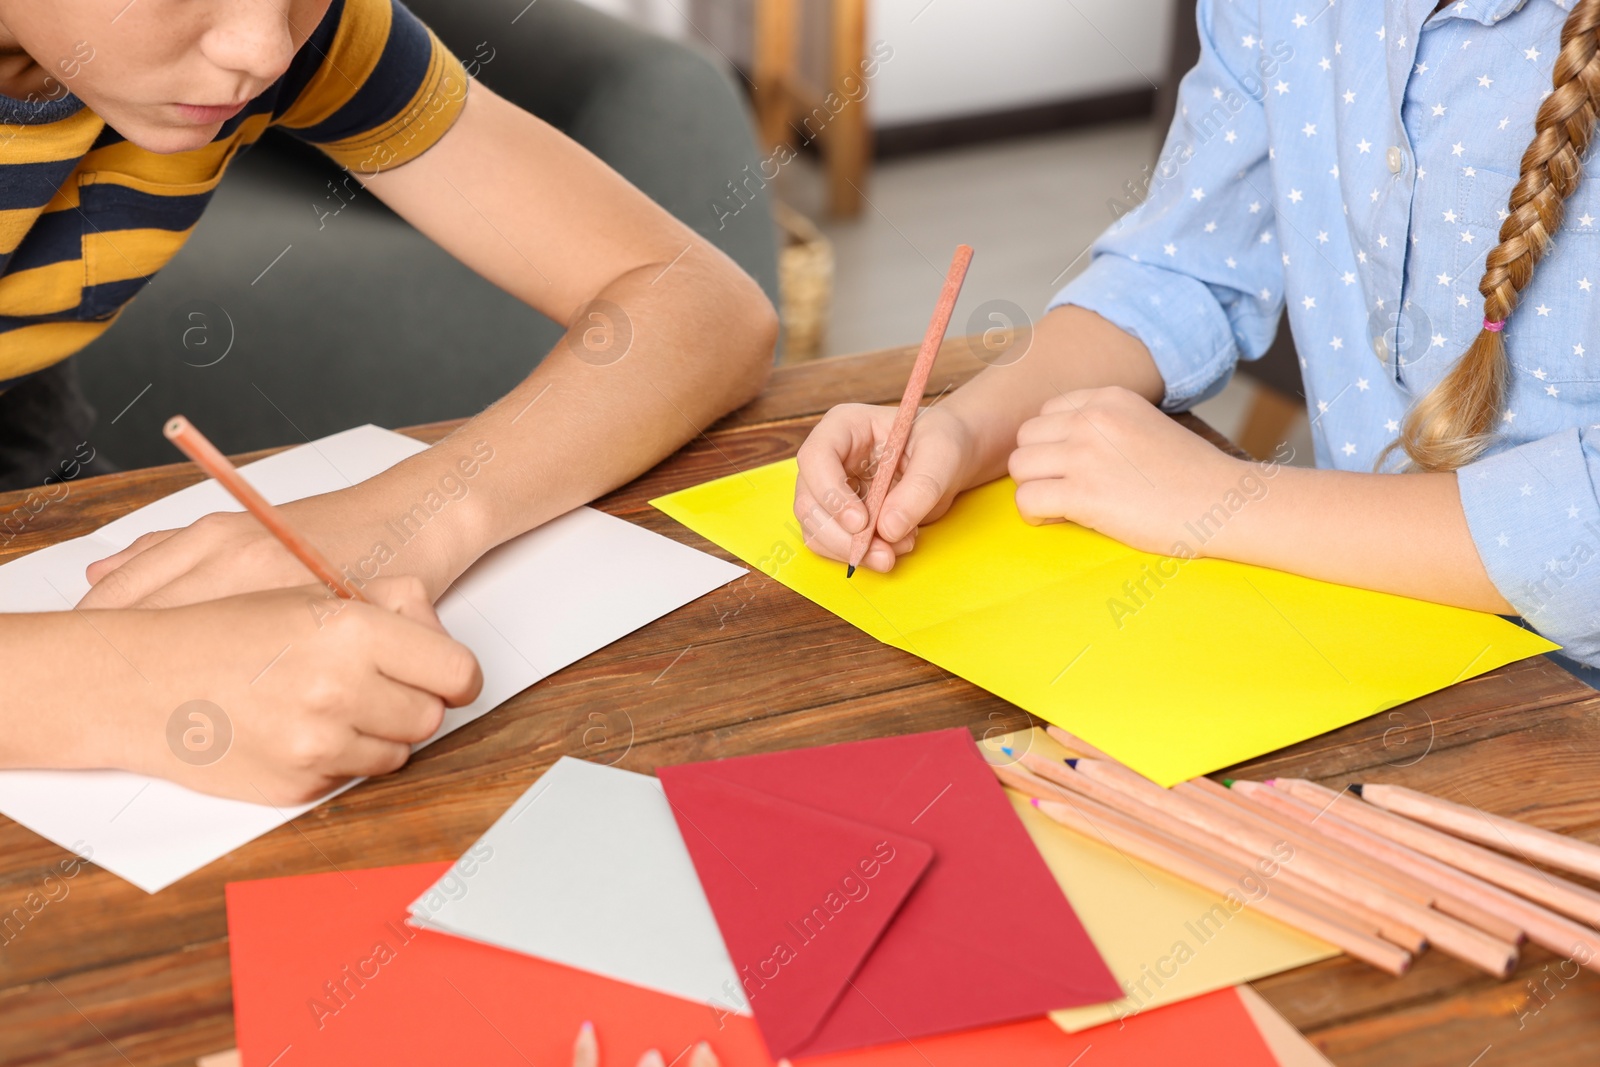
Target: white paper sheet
588,869
530,607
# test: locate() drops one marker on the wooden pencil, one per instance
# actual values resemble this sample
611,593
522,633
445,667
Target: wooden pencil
181,432
1097,822
1544,927
1208,847
1361,843
1451,936
1077,745
1552,891
888,461
1496,831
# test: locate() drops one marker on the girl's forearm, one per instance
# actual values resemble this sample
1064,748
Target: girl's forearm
1396,533
1071,348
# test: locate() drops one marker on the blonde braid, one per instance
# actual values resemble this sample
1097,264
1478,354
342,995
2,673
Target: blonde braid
1450,426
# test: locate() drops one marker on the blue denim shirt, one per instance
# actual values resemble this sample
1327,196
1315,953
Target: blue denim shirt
1352,163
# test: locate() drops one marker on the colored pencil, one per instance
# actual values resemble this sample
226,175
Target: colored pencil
1371,850
1451,936
1544,927
888,460
1077,745
1097,822
1210,848
1496,831
194,444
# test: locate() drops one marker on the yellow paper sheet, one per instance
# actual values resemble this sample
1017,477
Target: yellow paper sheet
1165,939
1175,667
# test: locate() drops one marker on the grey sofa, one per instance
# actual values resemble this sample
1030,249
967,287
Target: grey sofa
302,306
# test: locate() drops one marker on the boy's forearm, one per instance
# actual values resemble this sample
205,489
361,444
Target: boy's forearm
589,419
1071,348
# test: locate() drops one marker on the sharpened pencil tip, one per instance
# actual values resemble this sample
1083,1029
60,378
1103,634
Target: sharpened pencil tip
849,570
1271,781
1007,750
1072,761
1228,782
1034,801
1354,787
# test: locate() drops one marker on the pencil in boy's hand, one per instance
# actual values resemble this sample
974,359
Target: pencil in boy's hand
181,432
900,432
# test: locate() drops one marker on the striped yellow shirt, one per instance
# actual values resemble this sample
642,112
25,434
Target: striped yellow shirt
87,218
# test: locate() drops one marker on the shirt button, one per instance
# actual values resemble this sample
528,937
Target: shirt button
1397,160
1380,347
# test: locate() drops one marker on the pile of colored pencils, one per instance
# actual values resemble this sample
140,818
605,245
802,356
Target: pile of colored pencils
1379,871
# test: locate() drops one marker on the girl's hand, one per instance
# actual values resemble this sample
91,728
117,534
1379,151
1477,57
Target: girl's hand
1110,460
586,1053
279,697
836,466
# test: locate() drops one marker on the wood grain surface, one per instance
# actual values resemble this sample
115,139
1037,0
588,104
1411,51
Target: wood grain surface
108,975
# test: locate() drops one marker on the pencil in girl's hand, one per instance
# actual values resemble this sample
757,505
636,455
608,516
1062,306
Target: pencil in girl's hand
889,460
181,432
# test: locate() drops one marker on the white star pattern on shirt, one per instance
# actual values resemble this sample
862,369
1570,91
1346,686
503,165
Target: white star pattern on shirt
1584,284
1532,53
1466,237
1170,249
1438,109
1456,149
1322,237
1502,540
1266,237
1324,63
1231,262
1383,241
1552,390
1444,279
1309,130
1586,219
1362,384
1391,426
1542,310
1255,207
1309,302
1449,216
1336,344
1282,87
1364,145
1461,300
1230,137
1248,41
1197,194
1348,278
1295,196
1510,416
1572,512
1438,341
1577,350
1485,81
1211,227
1349,97
1349,448
1266,294
1527,490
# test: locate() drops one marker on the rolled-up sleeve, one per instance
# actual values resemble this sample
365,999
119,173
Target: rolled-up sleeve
1195,272
1535,519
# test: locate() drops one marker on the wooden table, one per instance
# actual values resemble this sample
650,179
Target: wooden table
110,975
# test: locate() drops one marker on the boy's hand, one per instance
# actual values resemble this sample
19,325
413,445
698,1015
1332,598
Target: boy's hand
1110,460
836,466
310,690
228,553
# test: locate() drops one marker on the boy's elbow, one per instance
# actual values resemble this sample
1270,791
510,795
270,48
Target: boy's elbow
753,342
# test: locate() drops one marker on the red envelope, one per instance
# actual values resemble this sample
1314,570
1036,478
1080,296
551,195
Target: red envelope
311,989
845,934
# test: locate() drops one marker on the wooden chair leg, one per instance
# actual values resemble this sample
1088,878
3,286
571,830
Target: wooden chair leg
848,143
1266,424
773,70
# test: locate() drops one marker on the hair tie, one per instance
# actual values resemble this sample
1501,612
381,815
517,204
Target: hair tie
1494,326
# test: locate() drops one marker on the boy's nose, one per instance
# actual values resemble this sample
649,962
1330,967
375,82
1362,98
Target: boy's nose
250,36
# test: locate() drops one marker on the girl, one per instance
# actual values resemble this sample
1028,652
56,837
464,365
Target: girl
99,187
1359,164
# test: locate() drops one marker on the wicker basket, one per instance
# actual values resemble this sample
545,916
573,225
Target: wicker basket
805,284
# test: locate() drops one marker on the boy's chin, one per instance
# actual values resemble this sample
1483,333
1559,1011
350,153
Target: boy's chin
167,140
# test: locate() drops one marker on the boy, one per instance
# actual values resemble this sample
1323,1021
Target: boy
101,188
